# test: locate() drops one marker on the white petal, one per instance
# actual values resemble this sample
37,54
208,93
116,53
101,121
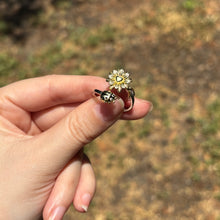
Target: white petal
127,80
123,86
127,75
114,71
111,82
119,88
121,71
110,76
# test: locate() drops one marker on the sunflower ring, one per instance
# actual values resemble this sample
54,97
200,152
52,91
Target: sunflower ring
119,80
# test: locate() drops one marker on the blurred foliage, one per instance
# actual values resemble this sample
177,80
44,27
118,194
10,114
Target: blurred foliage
191,5
16,15
7,64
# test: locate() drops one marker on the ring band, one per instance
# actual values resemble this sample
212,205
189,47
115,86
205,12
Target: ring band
118,80
106,96
131,93
110,97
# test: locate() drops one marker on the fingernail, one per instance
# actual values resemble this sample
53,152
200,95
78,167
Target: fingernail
109,112
86,198
151,107
58,213
85,208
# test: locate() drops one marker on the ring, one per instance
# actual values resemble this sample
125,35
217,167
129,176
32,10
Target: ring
106,96
131,96
119,80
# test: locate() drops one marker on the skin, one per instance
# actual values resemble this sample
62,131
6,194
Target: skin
44,124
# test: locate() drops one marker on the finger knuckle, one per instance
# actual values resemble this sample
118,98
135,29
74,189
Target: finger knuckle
79,129
53,91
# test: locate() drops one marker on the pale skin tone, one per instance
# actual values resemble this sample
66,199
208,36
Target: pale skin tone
44,124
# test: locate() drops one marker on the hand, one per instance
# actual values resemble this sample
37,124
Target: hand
44,124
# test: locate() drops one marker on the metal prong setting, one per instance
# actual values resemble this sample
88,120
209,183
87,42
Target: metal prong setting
106,96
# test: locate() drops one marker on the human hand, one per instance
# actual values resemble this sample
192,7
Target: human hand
44,124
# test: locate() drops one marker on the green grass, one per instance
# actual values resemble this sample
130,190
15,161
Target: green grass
49,58
103,34
207,130
165,117
190,5
210,125
110,216
9,69
77,34
79,71
196,177
92,38
145,130
62,4
52,56
8,64
3,26
163,195
201,133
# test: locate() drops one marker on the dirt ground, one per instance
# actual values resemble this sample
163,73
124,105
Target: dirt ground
167,165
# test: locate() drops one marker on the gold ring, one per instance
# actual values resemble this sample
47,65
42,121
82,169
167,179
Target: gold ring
119,80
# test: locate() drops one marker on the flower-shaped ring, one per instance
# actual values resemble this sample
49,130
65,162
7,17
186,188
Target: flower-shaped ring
119,80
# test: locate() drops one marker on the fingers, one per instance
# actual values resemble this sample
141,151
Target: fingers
67,189
44,92
47,118
86,187
64,190
62,141
140,109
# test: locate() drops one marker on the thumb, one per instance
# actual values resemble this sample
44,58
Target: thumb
62,141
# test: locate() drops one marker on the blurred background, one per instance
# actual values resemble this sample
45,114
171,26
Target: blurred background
167,165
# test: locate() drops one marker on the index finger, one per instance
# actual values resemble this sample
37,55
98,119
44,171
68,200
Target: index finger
43,92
